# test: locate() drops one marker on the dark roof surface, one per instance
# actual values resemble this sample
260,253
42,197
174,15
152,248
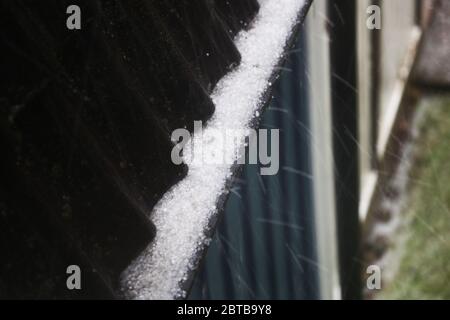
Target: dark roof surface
85,119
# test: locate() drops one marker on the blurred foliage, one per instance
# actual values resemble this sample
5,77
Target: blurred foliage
424,270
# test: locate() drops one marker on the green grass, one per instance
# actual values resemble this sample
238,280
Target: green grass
424,267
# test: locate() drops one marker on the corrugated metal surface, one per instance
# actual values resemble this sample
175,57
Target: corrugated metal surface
264,247
85,122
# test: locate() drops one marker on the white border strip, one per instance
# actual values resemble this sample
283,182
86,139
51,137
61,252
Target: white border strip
318,44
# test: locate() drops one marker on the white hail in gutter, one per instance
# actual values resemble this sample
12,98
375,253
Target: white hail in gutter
182,216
